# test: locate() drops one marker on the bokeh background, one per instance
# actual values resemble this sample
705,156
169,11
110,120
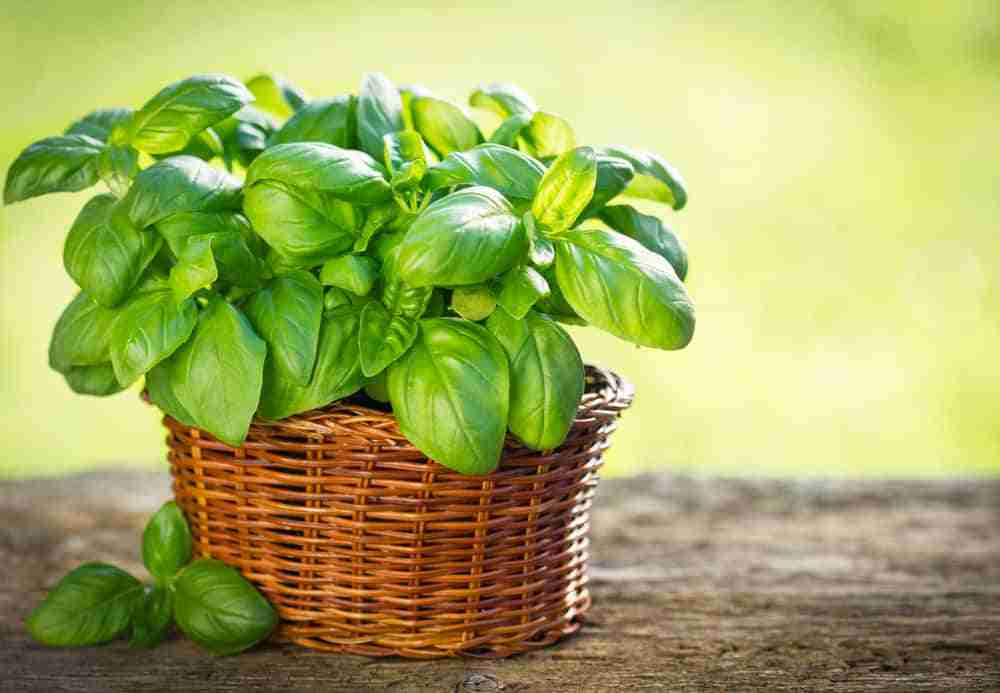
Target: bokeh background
842,158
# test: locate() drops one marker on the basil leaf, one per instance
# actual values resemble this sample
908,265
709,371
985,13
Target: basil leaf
619,286
195,267
161,393
503,99
444,126
150,327
450,393
546,377
100,123
91,605
383,337
506,170
219,609
334,298
244,135
377,389
287,314
217,374
81,336
555,305
117,167
56,164
542,253
475,302
235,246
276,94
465,238
376,219
400,148
166,542
510,129
650,232
337,373
380,111
565,190
354,273
168,121
325,120
315,166
548,135
98,380
655,179
613,176
105,257
520,289
152,616
179,184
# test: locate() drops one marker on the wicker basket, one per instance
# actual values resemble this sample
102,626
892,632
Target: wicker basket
365,546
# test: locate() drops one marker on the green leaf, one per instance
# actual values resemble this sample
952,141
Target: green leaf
82,335
465,238
56,164
555,305
619,286
377,218
315,166
117,167
168,121
180,184
195,267
219,609
287,314
334,298
383,337
325,120
150,327
565,190
655,179
380,111
444,126
408,93
99,124
520,289
217,374
166,542
354,273
474,302
99,380
506,170
235,246
337,373
161,392
245,134
548,135
450,393
510,129
276,94
505,100
152,617
650,232
105,256
91,605
377,388
400,148
613,176
546,377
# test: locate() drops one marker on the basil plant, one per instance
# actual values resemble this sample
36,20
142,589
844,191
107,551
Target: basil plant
260,253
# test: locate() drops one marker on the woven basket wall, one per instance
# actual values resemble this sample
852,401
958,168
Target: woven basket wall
365,546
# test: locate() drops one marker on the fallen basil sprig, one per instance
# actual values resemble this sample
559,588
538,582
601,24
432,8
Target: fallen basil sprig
210,601
264,254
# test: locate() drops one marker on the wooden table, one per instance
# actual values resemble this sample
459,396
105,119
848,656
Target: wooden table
699,585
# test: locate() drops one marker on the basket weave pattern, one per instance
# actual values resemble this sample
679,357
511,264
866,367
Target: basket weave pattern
365,546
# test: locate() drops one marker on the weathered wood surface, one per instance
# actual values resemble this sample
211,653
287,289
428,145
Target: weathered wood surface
699,585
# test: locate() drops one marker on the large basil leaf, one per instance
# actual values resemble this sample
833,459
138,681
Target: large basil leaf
316,166
217,373
82,335
219,609
619,286
150,327
506,170
325,120
152,616
91,605
520,289
450,393
565,190
509,130
179,184
546,377
99,380
276,94
354,273
166,542
161,393
613,176
56,164
383,337
464,238
444,126
337,373
380,111
503,99
100,123
104,256
655,179
195,268
650,232
548,135
168,121
287,314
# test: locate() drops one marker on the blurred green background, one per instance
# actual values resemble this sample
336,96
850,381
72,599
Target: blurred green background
842,161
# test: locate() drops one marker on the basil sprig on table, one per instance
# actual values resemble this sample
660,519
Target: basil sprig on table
264,254
209,601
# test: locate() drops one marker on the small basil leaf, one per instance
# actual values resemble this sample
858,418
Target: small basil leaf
650,232
510,130
613,176
160,387
546,377
99,380
506,170
82,335
503,99
555,305
166,542
100,123
334,298
408,93
152,617
150,327
276,94
565,190
91,605
325,120
520,289
315,166
179,184
235,246
354,273
287,314
219,609
195,267
380,111
383,337
548,135
444,126
56,164
475,302
450,393
376,219
619,286
655,179
168,121
205,145
117,167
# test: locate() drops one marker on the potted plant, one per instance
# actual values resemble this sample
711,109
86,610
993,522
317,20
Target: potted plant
323,296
